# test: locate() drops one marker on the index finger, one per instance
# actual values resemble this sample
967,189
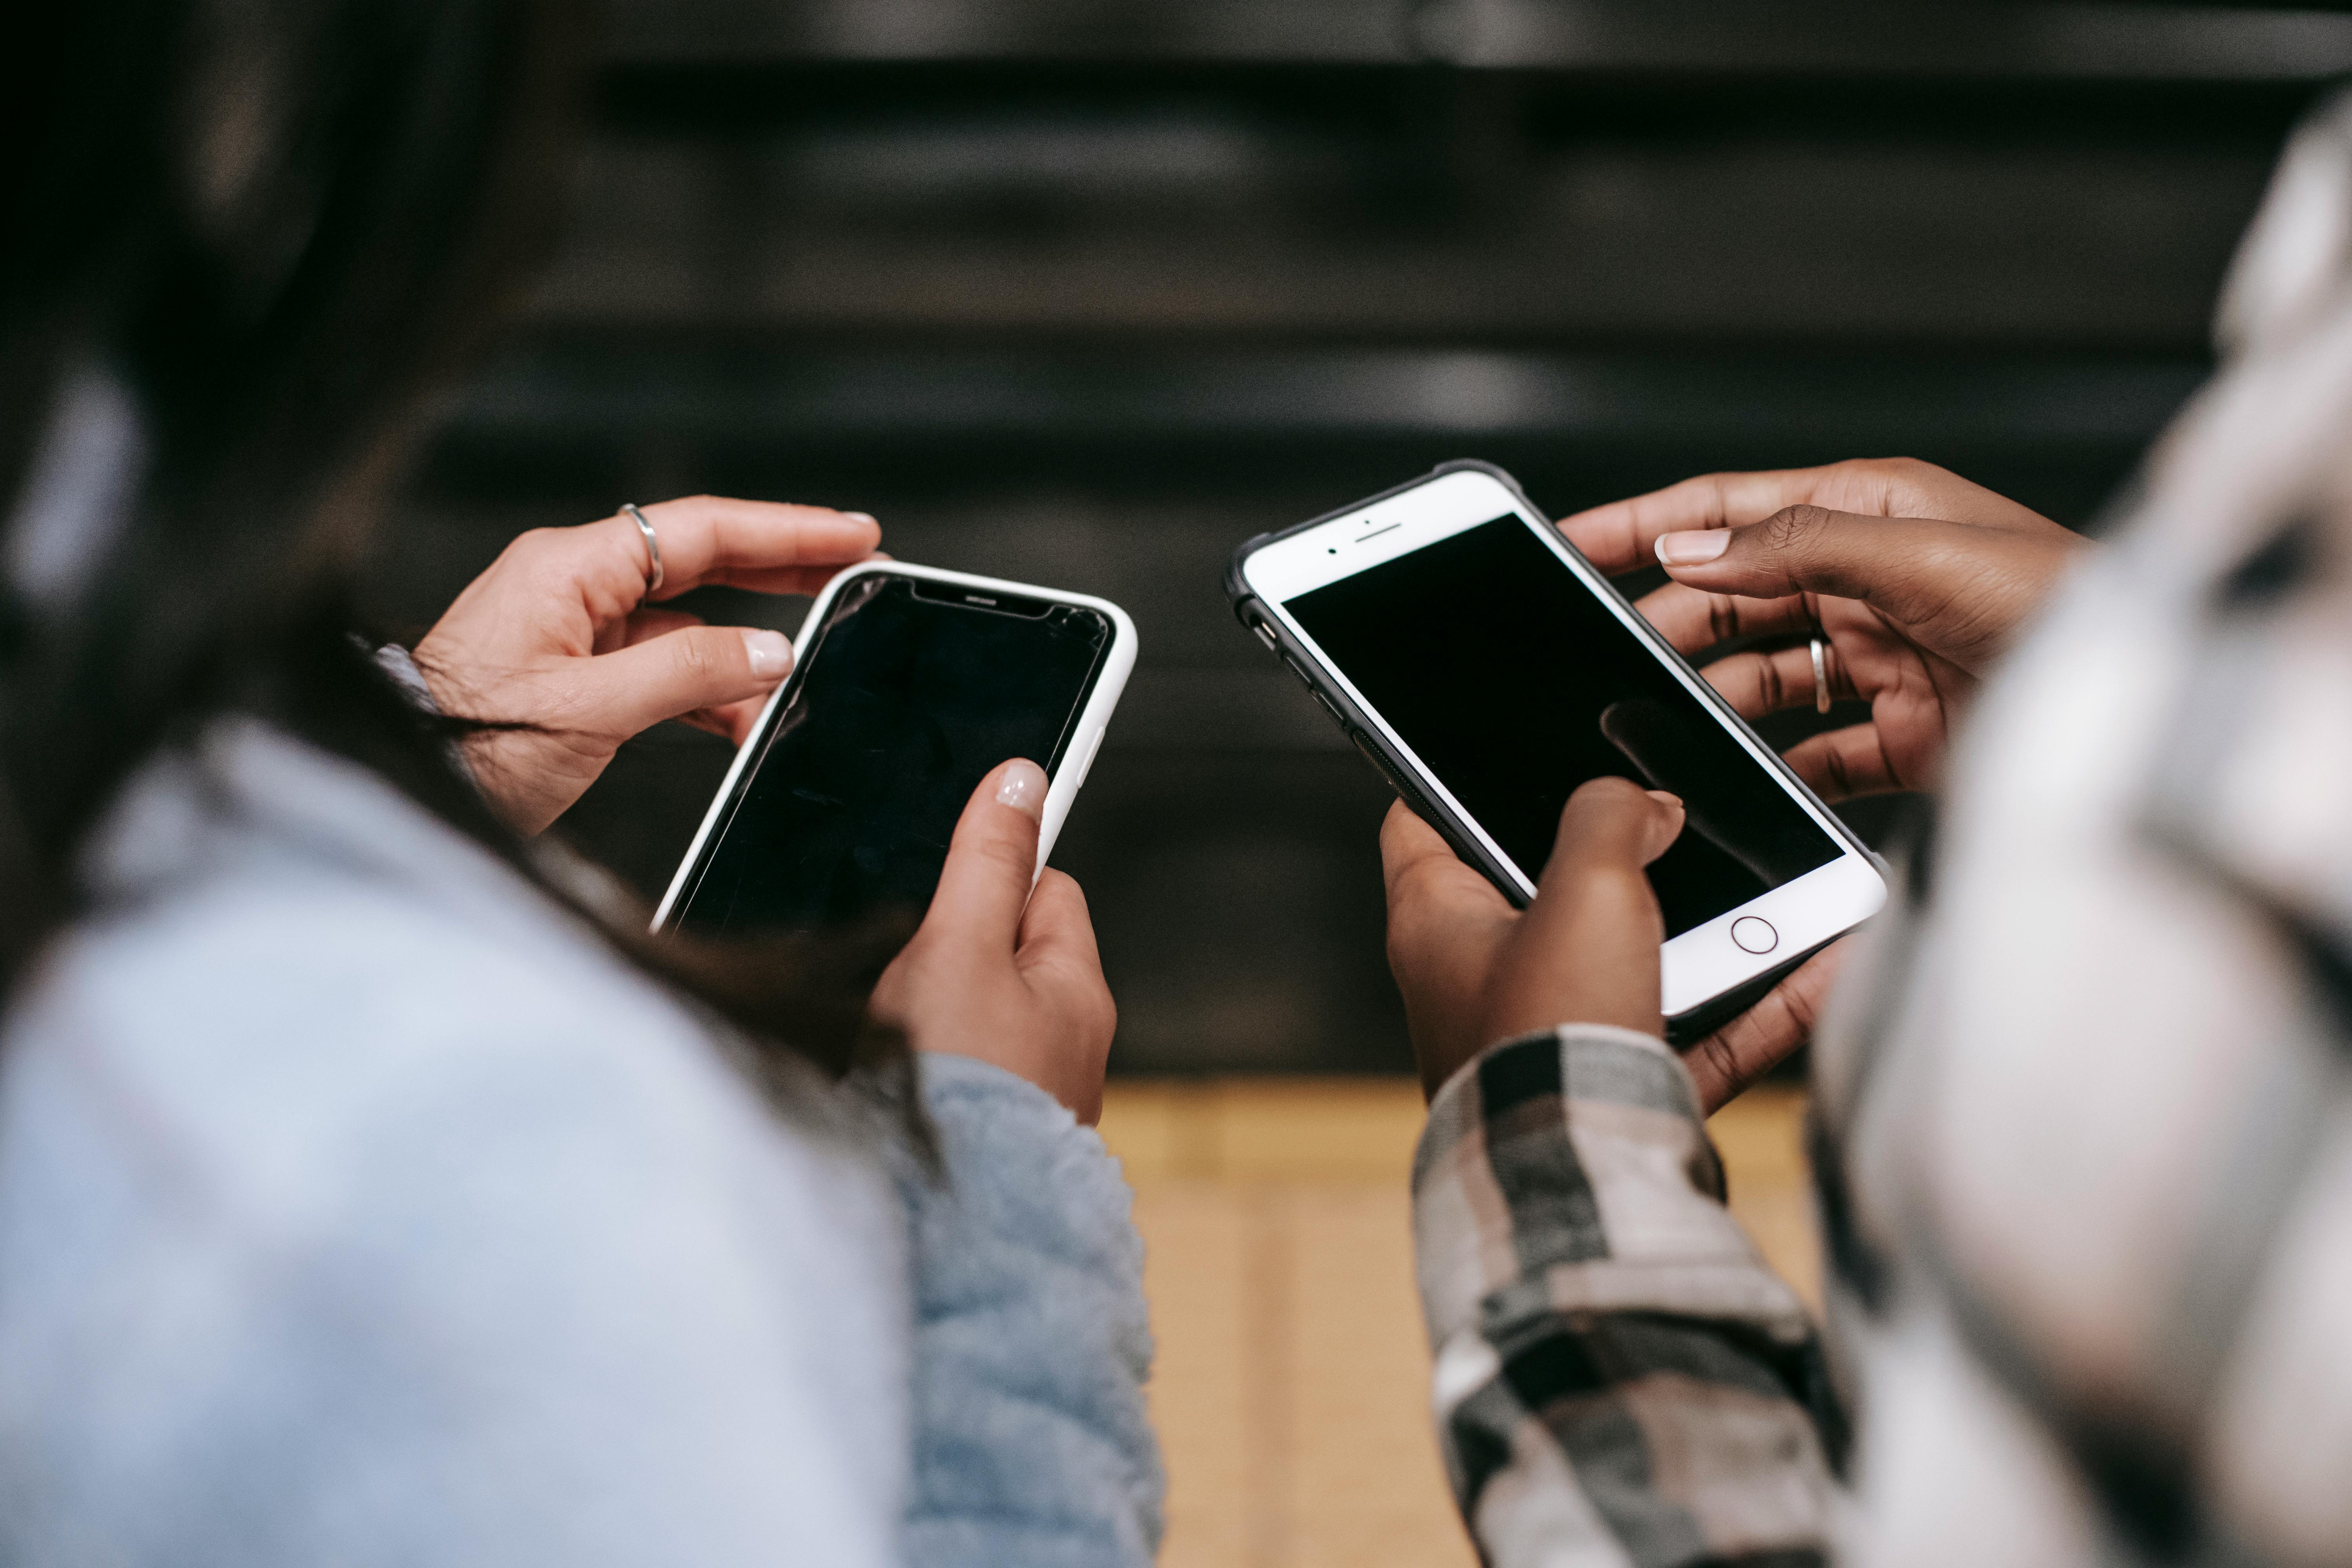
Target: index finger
1624,534
771,547
1694,620
1410,847
1056,928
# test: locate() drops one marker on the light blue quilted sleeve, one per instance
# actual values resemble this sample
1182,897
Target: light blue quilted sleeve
1032,1341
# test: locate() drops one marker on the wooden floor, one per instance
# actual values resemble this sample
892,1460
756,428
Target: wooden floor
1291,1386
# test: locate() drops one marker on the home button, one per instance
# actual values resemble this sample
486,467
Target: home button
1754,935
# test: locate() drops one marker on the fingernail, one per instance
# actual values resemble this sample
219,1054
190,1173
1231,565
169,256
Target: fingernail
861,517
1023,788
1693,546
771,654
1664,797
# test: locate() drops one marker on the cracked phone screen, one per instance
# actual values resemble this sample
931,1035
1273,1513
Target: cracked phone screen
909,693
1513,684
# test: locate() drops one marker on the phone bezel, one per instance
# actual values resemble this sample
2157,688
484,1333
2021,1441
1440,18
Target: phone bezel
1697,965
1062,786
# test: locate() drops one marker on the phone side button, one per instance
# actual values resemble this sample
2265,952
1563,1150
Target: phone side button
1090,763
1750,934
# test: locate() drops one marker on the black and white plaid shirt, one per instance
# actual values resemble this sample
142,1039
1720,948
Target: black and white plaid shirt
2082,1120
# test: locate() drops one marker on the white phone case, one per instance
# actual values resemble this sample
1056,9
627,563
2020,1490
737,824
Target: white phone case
1062,789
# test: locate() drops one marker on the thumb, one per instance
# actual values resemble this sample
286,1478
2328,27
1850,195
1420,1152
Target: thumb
681,672
1609,825
992,862
1587,949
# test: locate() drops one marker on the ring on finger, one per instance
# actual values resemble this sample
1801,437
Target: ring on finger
653,554
1821,675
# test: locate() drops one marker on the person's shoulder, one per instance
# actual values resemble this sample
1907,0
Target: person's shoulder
417,1184
309,989
296,1039
267,910
286,1000
270,966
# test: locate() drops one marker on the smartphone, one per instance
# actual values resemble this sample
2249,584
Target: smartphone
1487,671
908,684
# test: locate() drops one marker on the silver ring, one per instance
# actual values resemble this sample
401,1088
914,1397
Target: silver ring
1821,678
652,550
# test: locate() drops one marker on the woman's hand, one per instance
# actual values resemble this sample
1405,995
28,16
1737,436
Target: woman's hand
999,973
1475,972
557,635
1915,579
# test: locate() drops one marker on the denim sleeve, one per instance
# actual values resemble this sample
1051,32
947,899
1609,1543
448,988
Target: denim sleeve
1031,1343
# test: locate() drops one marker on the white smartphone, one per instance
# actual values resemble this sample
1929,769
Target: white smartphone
908,684
1487,670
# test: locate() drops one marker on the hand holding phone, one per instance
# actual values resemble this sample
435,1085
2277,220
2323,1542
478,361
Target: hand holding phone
1474,971
912,684
999,973
921,758
1915,578
558,642
1487,672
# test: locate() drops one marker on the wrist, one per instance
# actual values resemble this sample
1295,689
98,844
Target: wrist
1440,1068
1437,1079
1436,1085
1081,1099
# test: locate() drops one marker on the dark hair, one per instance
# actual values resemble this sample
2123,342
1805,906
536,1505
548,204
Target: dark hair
275,226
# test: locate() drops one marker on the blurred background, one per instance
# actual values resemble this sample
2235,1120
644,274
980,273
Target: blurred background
1086,292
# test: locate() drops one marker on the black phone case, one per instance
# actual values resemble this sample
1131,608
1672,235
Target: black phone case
1683,1028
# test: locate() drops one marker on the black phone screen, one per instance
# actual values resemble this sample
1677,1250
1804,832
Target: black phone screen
909,693
1514,684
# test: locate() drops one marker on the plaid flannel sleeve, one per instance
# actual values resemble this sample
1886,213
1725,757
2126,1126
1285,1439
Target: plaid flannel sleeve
1618,1377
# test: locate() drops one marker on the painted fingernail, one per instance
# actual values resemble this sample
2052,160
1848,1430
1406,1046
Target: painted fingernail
1023,788
771,654
1692,547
